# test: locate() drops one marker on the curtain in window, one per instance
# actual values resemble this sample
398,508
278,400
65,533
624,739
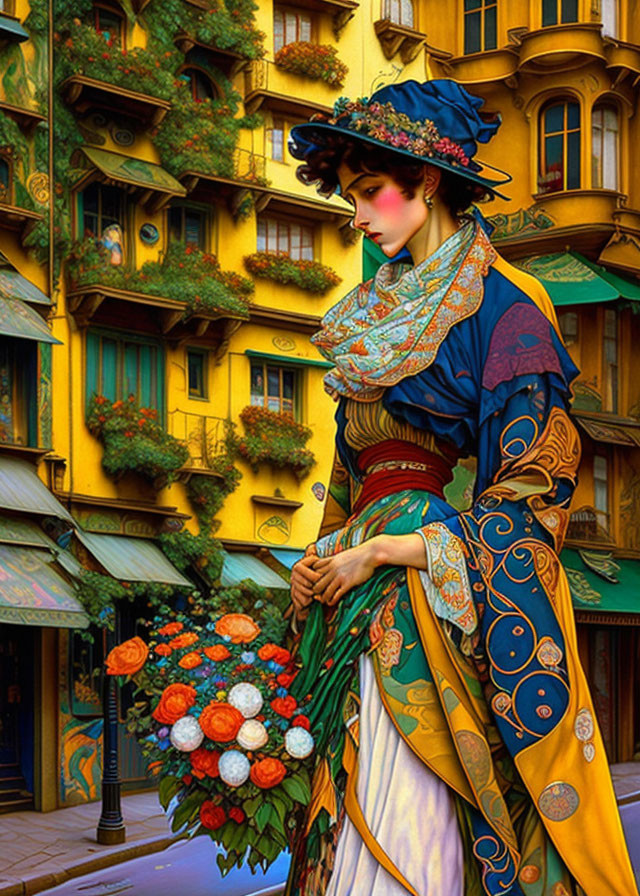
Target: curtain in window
604,148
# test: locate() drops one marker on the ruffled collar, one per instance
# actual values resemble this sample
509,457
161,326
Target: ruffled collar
392,326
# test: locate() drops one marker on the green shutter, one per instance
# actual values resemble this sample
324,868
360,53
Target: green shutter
109,369
93,359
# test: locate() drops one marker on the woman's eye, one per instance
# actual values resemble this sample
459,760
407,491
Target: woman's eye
370,191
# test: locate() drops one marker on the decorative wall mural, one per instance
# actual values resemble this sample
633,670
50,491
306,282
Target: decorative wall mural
318,490
274,530
149,234
38,187
284,343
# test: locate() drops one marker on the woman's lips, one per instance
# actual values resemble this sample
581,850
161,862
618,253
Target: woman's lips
374,236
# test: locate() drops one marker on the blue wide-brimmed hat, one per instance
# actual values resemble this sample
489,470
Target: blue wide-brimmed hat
436,122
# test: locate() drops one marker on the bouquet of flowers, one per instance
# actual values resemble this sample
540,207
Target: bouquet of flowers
222,732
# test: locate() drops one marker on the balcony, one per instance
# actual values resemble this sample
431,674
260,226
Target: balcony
228,61
395,38
341,11
204,436
234,181
624,59
270,87
25,118
20,220
83,93
481,68
560,48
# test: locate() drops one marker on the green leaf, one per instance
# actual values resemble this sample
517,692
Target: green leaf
168,788
186,811
297,788
251,806
263,816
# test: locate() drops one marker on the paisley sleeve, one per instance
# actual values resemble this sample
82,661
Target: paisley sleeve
338,504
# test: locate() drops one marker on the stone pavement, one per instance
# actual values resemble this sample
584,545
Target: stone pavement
39,850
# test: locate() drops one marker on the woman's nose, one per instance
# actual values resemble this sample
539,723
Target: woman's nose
360,220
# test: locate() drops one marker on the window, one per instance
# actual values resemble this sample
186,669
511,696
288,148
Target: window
201,86
102,207
555,12
120,365
188,225
559,147
400,12
610,359
480,25
86,659
609,17
568,322
197,373
277,140
604,148
290,26
18,391
5,180
601,490
109,23
7,7
274,387
284,238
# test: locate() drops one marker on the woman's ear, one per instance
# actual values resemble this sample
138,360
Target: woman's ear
431,182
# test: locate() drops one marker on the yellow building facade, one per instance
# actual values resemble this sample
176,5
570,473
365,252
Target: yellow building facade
162,131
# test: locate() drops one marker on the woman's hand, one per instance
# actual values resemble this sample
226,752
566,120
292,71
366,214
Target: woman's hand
303,578
345,570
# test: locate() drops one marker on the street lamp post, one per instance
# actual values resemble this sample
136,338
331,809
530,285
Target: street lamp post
111,827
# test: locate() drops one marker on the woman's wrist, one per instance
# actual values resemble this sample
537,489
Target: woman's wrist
381,549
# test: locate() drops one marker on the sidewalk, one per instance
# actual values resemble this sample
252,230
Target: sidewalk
40,850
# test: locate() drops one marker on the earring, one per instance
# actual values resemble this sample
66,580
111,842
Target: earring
352,225
428,200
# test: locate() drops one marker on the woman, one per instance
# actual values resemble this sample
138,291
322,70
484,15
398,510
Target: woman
457,748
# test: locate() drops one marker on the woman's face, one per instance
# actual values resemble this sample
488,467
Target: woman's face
385,213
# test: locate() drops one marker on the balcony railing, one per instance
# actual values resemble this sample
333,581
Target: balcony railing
204,436
267,84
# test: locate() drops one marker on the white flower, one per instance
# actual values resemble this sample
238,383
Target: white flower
186,734
247,698
298,743
234,768
252,735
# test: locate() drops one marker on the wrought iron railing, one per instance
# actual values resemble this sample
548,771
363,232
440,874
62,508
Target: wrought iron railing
204,435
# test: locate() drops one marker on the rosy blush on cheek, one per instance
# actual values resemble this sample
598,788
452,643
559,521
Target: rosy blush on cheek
390,201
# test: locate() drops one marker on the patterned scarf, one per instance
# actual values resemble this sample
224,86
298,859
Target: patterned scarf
392,326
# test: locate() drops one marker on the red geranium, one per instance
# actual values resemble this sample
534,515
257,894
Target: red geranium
212,816
284,706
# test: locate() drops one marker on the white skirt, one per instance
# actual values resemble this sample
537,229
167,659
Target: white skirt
409,811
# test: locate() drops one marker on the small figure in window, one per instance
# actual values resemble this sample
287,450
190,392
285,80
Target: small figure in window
112,239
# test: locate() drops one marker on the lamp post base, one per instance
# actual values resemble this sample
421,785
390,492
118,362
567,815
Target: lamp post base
111,836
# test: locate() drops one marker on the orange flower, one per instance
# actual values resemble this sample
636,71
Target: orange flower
221,721
127,658
190,660
284,706
240,627
217,652
267,772
186,639
171,628
279,655
174,703
163,650
204,762
212,816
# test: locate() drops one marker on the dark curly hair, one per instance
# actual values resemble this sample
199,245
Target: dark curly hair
321,168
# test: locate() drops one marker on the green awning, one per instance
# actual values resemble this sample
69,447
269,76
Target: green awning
292,361
19,320
27,533
614,589
127,170
21,491
238,566
11,29
132,559
14,286
33,593
571,279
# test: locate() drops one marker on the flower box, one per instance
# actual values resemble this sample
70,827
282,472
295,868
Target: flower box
275,439
309,275
319,62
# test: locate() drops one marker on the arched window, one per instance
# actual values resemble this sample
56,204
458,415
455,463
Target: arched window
400,12
556,12
559,147
201,86
604,147
109,23
609,13
480,25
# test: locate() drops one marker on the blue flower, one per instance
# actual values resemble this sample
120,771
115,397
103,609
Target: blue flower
164,744
267,723
248,657
210,626
281,692
226,637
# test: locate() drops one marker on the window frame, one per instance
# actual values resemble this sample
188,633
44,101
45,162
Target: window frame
603,517
272,130
297,376
204,356
188,69
566,131
561,13
300,15
484,8
8,161
603,106
112,10
185,207
401,5
572,336
611,380
124,209
121,337
305,227
22,361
